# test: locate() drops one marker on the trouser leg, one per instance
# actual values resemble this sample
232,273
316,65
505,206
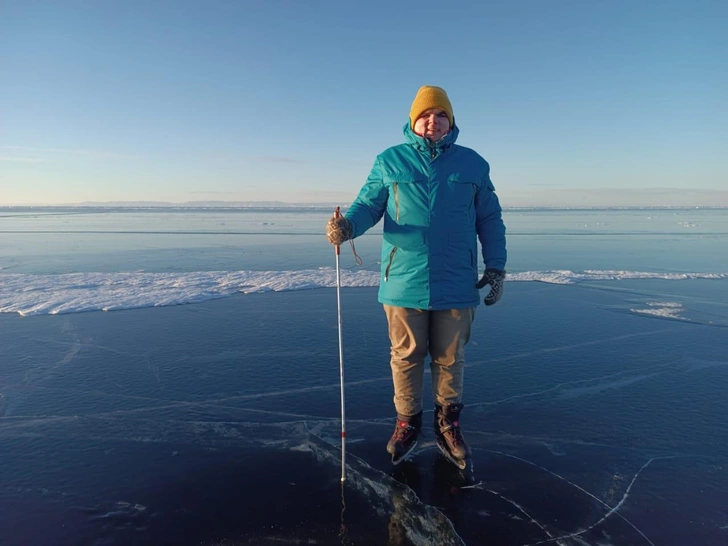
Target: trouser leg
408,334
449,331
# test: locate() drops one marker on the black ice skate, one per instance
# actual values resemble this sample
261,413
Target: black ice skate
449,437
404,438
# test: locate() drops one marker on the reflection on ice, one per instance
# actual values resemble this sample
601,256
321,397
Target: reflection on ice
520,496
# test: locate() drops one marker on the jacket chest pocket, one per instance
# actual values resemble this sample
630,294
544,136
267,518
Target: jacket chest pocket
460,193
406,192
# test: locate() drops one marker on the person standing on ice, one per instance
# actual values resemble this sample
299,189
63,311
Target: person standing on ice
437,201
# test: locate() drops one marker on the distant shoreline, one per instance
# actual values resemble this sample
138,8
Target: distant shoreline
302,207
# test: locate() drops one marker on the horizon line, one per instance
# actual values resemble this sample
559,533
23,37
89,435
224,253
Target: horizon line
206,204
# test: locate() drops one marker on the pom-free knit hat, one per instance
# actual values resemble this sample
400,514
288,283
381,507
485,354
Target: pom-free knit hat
430,96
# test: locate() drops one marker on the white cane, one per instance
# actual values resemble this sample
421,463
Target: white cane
337,214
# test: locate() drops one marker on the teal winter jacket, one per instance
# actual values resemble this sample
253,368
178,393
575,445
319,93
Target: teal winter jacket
437,201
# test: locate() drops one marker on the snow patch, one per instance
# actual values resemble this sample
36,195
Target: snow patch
662,309
29,294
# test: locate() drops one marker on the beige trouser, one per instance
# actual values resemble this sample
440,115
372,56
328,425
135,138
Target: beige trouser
416,332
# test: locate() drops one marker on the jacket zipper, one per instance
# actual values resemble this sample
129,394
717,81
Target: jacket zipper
396,202
389,265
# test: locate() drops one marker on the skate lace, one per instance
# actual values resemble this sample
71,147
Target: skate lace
454,434
402,430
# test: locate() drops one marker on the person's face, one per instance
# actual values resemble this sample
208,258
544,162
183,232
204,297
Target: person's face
432,124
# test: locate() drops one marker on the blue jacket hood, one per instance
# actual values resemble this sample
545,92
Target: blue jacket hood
424,145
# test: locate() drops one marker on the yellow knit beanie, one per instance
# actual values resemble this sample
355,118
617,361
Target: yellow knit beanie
428,97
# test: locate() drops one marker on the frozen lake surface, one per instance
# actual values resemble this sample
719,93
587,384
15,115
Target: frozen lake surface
595,390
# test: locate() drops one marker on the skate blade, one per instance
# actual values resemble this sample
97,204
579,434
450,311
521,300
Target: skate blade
462,464
406,456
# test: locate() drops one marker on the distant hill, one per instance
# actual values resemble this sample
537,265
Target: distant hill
202,204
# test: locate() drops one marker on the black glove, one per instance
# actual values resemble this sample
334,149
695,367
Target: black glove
495,278
338,230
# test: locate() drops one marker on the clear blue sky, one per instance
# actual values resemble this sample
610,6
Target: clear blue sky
572,102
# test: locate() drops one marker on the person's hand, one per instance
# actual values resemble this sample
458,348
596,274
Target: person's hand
338,230
493,277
